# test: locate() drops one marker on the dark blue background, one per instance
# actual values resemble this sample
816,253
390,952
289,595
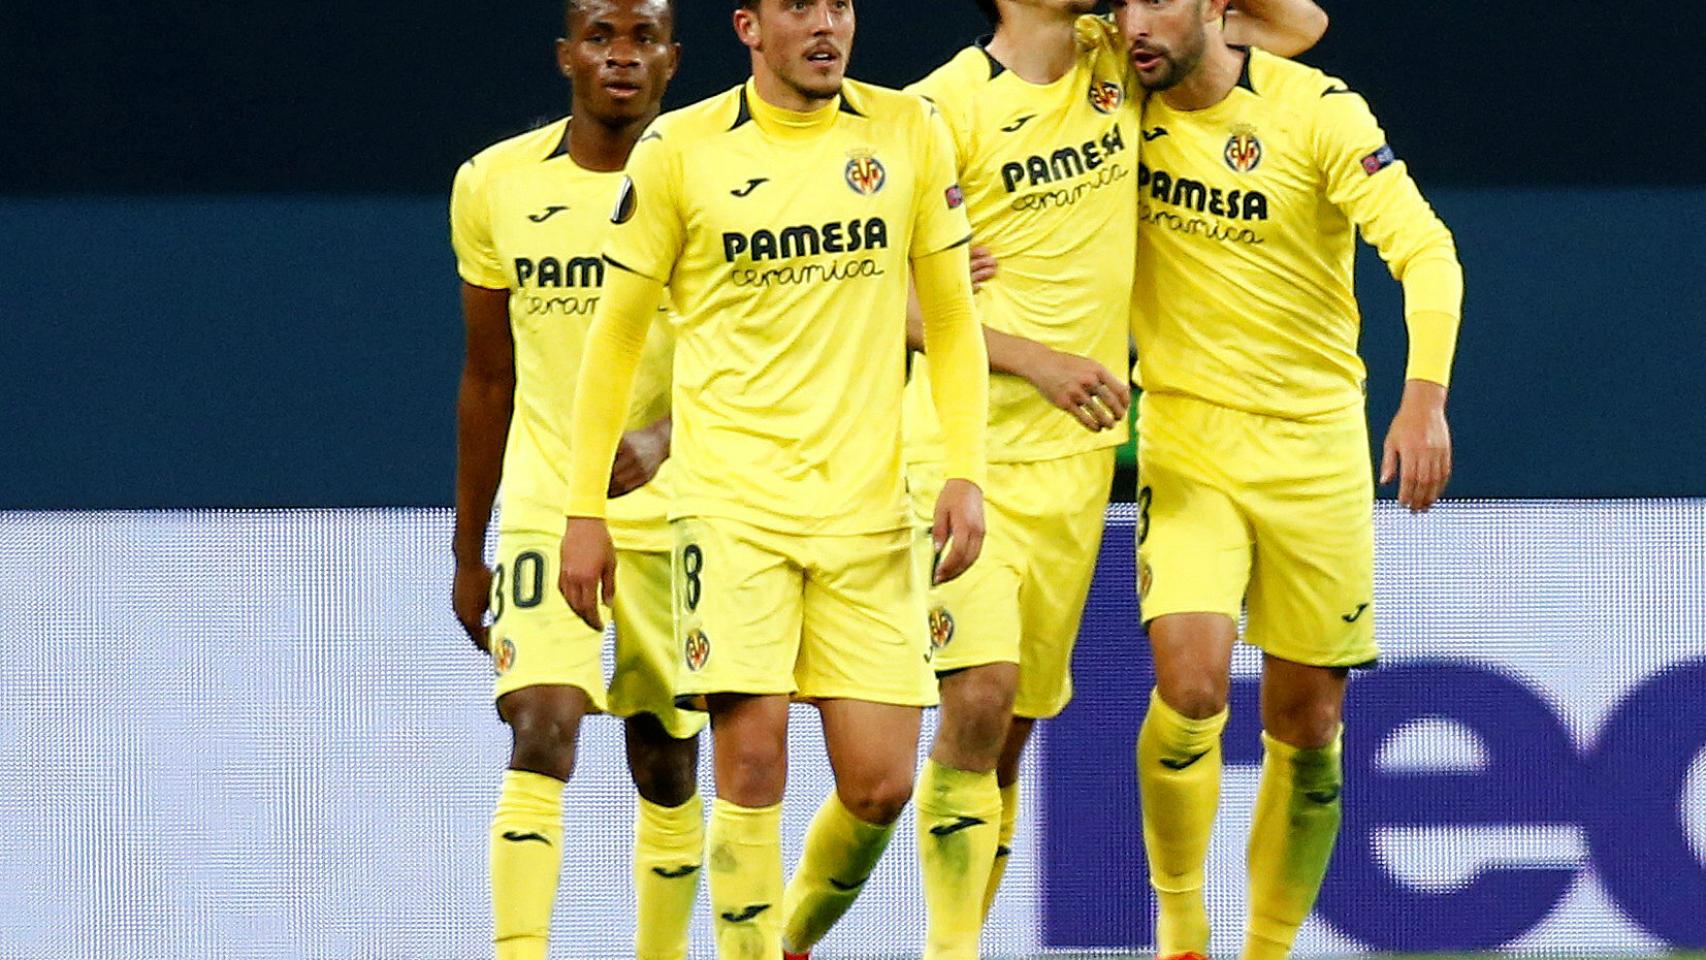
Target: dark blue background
225,277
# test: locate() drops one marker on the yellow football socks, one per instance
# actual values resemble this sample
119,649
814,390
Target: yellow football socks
840,852
526,855
1291,840
1003,843
1178,778
959,825
744,851
669,843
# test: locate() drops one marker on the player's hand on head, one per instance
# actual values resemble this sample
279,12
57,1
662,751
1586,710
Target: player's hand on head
1418,446
1082,387
638,458
957,533
587,572
984,267
470,592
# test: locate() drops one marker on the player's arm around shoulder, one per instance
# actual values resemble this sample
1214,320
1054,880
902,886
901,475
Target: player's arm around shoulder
485,395
1364,178
1285,27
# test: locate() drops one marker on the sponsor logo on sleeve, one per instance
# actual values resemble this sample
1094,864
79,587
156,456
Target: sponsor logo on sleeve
1379,160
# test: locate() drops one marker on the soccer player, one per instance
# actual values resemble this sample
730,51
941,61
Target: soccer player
785,216
1255,491
1045,126
527,218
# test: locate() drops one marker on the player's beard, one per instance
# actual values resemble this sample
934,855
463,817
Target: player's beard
1177,65
813,87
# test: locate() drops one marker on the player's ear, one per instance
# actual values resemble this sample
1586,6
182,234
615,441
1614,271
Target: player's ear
746,26
564,63
1215,10
674,61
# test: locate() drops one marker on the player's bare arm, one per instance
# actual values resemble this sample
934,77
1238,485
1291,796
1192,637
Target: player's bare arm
1285,27
639,456
484,401
1087,390
1419,441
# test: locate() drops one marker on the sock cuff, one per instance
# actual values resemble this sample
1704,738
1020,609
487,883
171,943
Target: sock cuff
1301,757
755,824
525,792
844,823
686,819
1188,733
946,790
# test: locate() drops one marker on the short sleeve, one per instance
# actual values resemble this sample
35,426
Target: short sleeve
477,260
939,208
648,229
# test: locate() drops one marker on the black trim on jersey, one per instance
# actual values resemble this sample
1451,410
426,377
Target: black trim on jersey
848,107
622,266
743,116
996,67
957,243
562,147
1244,72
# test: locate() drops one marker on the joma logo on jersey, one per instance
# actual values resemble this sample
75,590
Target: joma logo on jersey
1243,150
807,241
1199,196
1063,164
1106,96
865,173
551,272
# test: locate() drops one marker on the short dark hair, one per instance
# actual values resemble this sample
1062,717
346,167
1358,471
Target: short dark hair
991,11
572,7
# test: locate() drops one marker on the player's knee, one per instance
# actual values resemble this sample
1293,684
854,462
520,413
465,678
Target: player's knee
544,742
877,799
1195,697
751,772
666,775
975,718
1305,725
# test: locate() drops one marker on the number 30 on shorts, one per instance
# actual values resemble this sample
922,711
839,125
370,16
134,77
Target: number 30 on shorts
1144,496
526,582
692,562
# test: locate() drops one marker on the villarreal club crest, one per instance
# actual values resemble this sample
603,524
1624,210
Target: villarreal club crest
1106,96
1243,150
865,173
696,649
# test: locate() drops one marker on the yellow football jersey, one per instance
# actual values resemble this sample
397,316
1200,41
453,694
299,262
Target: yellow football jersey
1248,215
784,239
524,217
1049,173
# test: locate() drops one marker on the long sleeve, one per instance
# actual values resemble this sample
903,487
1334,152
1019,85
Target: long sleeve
1374,189
959,363
605,385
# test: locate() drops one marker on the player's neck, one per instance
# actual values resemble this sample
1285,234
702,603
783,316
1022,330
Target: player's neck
1212,81
604,147
1037,44
778,93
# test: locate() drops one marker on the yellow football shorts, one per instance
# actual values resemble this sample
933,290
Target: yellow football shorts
1024,598
536,639
1239,512
817,617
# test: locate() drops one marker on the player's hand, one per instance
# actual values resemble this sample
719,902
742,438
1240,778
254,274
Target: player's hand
588,564
957,533
983,267
1418,446
470,592
1081,387
638,458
